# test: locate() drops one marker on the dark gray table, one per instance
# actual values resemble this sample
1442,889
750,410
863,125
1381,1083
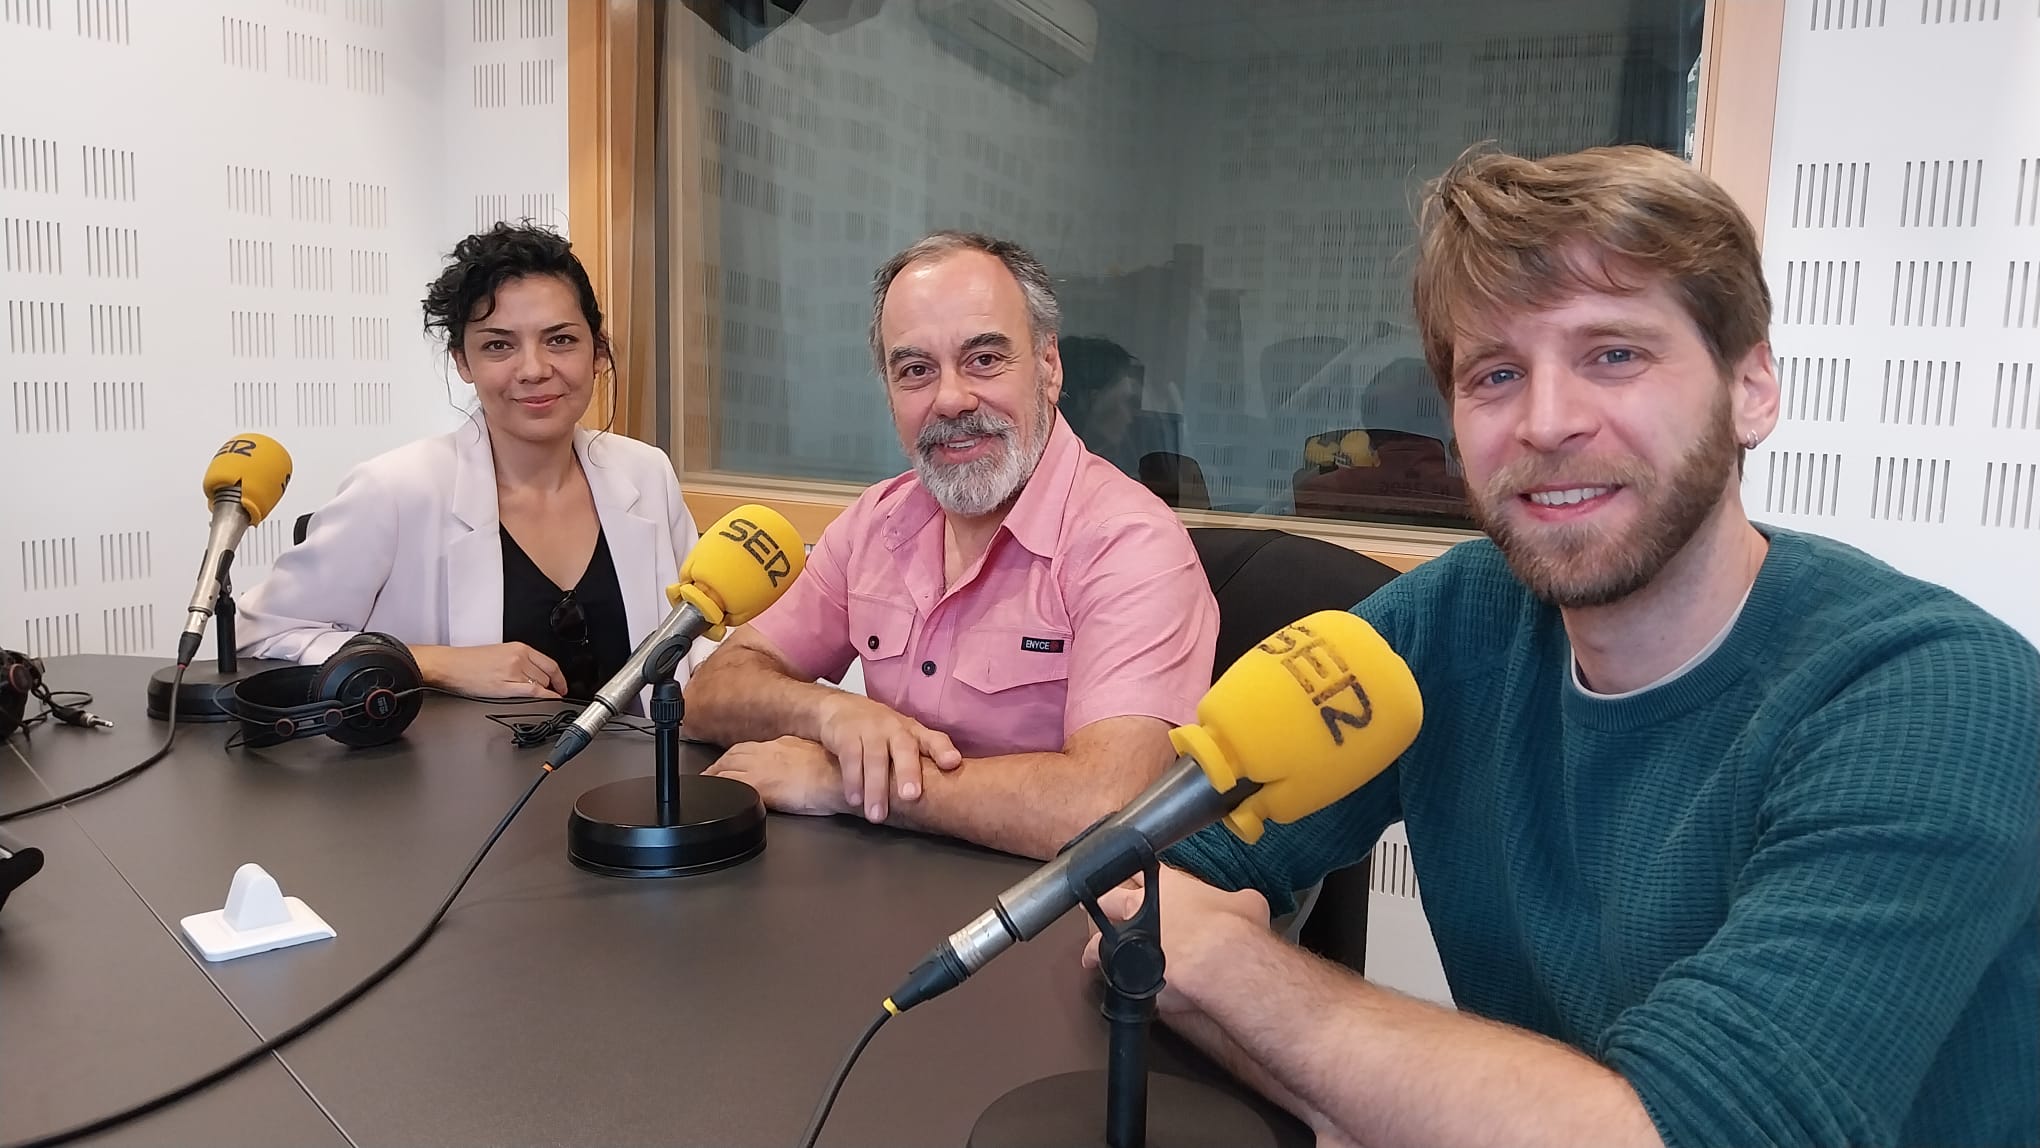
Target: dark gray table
554,1006
101,1007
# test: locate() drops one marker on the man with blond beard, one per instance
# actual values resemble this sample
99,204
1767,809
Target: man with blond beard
1030,619
1727,834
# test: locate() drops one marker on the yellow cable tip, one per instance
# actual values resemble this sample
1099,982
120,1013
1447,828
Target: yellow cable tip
891,1008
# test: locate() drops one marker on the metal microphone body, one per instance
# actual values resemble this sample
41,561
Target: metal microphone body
1287,730
1181,802
229,524
656,656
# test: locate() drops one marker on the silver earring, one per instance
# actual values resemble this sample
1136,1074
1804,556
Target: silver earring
1750,442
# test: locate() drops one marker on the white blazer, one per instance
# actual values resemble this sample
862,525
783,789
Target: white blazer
410,546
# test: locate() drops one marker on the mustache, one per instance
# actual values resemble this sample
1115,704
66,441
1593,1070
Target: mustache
972,424
1523,474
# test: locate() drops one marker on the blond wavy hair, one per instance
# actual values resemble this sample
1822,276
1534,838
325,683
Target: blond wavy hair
1498,233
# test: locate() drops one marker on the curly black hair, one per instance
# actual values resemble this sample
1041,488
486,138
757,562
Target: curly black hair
480,264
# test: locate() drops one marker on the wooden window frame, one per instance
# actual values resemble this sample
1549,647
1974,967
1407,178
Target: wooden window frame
612,113
611,144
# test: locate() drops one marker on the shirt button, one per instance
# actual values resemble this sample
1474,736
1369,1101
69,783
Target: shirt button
872,641
928,668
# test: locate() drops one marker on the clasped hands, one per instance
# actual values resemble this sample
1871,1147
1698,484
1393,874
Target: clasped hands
868,756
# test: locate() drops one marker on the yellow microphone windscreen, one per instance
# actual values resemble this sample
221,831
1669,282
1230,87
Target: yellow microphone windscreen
1312,714
255,463
741,565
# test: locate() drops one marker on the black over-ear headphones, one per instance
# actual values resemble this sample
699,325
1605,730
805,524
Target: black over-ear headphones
364,695
20,677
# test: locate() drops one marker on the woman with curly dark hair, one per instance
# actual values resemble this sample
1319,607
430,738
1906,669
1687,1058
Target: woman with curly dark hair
520,554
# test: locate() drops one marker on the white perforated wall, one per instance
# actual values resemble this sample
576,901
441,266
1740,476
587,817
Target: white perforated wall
505,92
219,215
1902,243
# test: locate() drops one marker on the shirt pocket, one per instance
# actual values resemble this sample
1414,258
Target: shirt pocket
879,627
1021,675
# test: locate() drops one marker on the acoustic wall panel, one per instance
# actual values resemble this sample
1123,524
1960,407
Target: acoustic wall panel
38,14
1400,953
1902,243
2026,199
49,563
1828,15
226,225
126,556
507,65
2014,401
104,20
34,246
41,406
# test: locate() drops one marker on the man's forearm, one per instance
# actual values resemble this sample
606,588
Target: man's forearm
1204,1032
745,695
1025,803
1389,1072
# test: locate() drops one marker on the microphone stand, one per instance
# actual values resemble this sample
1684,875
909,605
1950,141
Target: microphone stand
1130,956
1056,1111
206,693
669,824
227,657
667,709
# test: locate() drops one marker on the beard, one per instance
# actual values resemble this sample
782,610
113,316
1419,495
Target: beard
982,485
1580,564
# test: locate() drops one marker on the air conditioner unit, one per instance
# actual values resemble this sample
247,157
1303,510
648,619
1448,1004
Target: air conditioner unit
1061,35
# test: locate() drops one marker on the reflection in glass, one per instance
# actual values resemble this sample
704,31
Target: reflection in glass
1222,191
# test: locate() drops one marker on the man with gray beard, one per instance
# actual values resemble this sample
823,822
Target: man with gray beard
1030,619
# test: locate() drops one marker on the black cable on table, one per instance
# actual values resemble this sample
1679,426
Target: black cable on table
97,787
277,1042
69,712
814,1128
527,732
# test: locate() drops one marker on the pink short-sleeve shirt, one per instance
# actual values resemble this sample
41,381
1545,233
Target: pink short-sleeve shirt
1090,603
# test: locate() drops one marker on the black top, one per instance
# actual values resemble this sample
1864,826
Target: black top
584,629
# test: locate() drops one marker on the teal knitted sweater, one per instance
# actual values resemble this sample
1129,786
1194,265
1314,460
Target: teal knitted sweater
1792,896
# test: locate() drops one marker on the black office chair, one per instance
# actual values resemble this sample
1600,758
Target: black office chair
1264,580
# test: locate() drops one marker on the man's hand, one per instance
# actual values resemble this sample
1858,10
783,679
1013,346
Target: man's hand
1198,924
878,751
792,774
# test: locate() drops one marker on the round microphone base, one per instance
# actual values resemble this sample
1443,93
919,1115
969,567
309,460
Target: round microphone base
206,694
615,829
1068,1111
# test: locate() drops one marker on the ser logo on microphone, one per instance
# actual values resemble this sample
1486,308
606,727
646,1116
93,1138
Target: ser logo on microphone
759,545
245,447
1324,675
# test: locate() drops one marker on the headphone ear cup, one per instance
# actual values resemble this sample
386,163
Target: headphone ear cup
22,673
18,678
374,675
376,640
373,640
